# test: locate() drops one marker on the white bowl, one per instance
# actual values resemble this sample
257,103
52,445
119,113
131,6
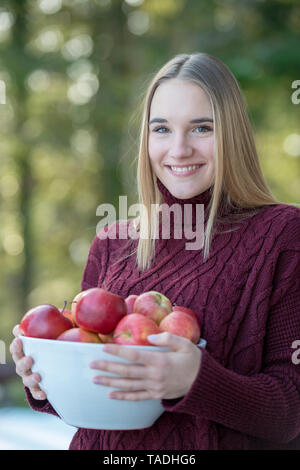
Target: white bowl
67,380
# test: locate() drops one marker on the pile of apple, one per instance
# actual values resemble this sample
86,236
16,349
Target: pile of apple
99,316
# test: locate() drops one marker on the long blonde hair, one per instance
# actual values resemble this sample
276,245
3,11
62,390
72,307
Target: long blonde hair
238,176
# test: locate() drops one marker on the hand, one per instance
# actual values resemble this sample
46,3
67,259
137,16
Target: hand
158,375
23,367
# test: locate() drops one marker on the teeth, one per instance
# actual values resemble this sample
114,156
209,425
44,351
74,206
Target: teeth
184,169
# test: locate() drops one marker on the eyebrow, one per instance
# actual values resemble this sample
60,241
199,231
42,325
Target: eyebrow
193,121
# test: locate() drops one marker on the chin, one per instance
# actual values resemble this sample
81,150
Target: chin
184,196
188,194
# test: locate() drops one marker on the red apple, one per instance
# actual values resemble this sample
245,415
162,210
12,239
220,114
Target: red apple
153,305
75,302
130,302
80,335
133,329
68,314
99,310
181,324
44,321
188,311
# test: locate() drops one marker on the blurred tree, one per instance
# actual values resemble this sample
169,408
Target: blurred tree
75,72
20,65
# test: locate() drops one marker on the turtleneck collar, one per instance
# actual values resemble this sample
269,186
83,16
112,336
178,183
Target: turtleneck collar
204,198
168,198
190,219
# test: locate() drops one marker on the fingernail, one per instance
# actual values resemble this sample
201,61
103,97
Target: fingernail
93,365
97,381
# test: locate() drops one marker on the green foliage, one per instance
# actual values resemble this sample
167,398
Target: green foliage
74,73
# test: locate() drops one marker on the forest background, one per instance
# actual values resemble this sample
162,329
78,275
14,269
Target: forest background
72,76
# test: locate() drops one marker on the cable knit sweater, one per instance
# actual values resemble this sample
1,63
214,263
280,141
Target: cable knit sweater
247,391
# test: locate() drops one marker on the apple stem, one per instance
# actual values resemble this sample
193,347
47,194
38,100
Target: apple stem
65,303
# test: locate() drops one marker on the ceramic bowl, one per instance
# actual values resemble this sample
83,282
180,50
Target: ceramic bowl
67,381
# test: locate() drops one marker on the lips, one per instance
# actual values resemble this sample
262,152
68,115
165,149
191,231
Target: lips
186,165
184,173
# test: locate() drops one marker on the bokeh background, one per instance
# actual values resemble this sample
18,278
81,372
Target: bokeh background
74,74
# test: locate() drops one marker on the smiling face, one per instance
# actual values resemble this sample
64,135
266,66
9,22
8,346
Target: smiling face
180,136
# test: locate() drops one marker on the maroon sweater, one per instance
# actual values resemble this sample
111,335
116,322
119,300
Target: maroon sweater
247,391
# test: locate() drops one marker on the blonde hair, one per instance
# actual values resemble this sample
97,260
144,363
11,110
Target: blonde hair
239,181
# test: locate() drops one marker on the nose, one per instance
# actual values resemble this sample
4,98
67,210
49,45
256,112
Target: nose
180,147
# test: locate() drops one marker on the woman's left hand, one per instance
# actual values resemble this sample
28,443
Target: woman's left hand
158,375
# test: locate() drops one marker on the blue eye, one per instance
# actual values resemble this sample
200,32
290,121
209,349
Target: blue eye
159,129
206,129
164,130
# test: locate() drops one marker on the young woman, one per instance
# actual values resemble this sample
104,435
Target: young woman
243,390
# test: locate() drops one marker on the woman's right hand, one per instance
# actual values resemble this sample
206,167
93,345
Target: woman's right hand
23,367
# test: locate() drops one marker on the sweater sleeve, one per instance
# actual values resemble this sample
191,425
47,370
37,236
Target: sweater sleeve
94,271
265,405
